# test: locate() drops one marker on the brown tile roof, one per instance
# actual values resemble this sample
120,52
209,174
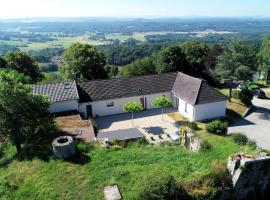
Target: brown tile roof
57,92
195,91
125,87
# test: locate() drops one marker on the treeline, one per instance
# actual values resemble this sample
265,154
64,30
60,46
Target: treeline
236,60
125,53
215,62
80,26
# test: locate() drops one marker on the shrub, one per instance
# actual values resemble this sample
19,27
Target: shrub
252,144
246,96
236,94
205,146
217,127
114,141
240,139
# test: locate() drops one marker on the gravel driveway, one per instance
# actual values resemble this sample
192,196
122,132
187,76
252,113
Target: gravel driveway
256,126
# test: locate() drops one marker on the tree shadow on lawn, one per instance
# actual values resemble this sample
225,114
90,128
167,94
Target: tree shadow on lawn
44,151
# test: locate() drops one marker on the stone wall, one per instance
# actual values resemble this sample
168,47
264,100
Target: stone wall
250,176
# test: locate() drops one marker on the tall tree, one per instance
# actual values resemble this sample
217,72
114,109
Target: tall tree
83,62
170,59
232,64
24,117
138,67
264,57
195,53
23,63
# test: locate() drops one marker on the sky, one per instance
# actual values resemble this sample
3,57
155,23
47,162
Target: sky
134,8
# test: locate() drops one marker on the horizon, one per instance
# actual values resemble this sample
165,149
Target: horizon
134,9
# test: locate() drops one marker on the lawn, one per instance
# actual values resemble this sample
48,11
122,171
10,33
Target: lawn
235,108
132,168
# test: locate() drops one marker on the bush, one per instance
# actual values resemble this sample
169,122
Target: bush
252,144
217,127
236,94
246,96
205,146
240,139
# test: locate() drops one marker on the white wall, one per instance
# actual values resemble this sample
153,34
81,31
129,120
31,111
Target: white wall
189,112
100,107
64,106
210,110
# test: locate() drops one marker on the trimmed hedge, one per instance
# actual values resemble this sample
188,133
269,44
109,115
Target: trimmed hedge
217,127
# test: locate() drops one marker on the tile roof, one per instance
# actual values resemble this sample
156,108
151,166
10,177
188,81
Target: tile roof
195,91
123,134
58,91
125,87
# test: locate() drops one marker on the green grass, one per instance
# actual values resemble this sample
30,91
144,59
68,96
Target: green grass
131,168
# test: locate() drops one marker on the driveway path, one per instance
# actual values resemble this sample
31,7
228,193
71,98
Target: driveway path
256,126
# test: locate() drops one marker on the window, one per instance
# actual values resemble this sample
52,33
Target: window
110,104
186,105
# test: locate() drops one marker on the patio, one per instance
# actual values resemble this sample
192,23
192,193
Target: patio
149,122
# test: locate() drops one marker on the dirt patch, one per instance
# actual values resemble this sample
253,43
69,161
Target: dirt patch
74,126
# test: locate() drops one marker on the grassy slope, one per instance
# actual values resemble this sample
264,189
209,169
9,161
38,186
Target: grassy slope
131,168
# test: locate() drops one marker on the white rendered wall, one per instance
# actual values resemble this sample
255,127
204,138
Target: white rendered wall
210,110
189,112
100,107
64,106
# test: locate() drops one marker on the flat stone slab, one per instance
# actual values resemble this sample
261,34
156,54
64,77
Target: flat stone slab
111,192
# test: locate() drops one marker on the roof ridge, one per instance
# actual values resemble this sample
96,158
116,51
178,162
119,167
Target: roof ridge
197,95
70,81
125,78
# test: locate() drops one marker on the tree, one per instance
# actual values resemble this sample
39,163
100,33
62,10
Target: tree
111,70
132,107
23,63
246,96
170,59
264,57
24,117
3,63
162,102
232,64
138,67
195,53
83,62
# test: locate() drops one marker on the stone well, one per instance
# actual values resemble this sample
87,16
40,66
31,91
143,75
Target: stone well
63,147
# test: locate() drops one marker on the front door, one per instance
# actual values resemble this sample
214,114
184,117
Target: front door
89,111
142,101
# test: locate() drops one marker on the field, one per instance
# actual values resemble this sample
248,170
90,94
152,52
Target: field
133,168
58,42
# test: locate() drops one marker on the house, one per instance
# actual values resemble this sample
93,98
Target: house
64,96
193,97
